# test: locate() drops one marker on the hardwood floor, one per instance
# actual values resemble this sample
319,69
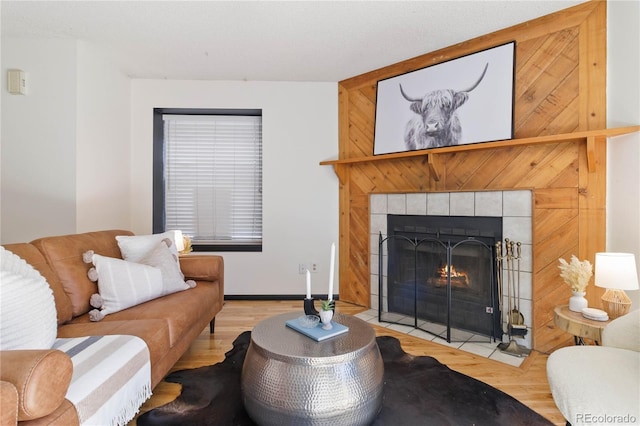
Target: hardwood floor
528,383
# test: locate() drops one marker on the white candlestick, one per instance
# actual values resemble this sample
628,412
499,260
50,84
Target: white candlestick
308,284
331,268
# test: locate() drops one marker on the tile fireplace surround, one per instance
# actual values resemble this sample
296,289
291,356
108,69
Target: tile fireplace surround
514,207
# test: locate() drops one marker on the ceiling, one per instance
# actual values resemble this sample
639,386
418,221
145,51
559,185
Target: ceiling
265,40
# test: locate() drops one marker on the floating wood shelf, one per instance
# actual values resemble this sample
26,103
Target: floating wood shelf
590,136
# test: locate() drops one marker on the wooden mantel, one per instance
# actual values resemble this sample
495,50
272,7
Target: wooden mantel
589,136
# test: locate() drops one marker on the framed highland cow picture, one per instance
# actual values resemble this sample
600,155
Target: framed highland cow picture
461,101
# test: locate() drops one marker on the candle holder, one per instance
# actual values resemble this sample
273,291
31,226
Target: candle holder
309,308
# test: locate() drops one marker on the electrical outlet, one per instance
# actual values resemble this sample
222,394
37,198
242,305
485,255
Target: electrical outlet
302,268
315,267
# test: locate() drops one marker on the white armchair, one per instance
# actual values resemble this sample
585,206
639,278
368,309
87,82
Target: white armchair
600,384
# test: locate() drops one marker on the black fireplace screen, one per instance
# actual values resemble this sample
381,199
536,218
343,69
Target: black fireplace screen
440,270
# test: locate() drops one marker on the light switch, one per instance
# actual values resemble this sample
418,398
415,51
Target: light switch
16,82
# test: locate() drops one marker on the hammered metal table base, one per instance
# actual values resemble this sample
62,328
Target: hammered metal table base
290,379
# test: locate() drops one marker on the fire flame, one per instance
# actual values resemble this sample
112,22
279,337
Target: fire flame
458,278
454,274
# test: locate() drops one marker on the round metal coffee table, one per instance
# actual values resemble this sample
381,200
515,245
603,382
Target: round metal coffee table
288,378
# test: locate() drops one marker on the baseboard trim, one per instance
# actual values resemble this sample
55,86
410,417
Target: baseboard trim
275,297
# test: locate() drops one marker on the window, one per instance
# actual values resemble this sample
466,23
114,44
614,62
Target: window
207,177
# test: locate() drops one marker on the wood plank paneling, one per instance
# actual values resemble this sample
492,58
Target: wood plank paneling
556,198
559,88
541,80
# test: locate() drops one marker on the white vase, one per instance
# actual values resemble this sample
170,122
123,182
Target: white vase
577,302
325,318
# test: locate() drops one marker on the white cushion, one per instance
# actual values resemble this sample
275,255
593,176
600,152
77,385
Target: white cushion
595,384
123,284
28,317
135,247
162,258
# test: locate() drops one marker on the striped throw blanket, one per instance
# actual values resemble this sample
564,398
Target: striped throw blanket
111,377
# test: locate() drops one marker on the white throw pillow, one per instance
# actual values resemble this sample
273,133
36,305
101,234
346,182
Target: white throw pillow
28,317
172,278
135,247
123,284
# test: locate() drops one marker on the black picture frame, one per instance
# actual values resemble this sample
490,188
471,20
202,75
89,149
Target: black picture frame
466,100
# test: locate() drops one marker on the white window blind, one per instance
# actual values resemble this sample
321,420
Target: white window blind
213,177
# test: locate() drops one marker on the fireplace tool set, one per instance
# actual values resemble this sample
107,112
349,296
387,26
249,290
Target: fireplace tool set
508,263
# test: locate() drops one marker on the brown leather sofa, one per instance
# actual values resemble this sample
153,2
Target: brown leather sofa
33,383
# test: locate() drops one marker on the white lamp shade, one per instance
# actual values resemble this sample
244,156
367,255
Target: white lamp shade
616,271
179,240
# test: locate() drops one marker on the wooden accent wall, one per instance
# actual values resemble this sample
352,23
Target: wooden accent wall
560,88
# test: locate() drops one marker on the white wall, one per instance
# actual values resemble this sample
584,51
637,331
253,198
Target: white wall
300,199
65,145
103,161
623,152
38,140
73,160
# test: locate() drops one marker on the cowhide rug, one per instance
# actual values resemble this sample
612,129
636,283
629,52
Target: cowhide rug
418,390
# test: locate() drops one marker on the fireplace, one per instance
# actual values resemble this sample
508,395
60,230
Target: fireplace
513,209
441,269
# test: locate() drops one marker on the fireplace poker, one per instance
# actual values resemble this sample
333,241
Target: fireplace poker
516,317
509,258
518,327
499,278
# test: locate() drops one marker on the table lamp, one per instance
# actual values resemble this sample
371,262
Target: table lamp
616,272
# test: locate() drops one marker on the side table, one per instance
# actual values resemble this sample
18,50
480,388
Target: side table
576,324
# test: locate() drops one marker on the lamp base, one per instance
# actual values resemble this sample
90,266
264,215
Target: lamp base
616,303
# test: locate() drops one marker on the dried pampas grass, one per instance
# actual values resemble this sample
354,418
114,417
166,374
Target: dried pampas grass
576,274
